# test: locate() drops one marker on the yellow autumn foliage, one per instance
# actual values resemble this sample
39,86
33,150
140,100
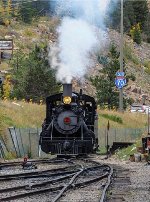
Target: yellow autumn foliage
7,87
135,33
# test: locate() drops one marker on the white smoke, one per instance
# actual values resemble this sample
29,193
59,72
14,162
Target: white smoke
79,33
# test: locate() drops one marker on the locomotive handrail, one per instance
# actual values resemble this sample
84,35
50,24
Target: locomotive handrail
78,132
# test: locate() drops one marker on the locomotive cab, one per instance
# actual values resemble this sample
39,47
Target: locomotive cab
69,124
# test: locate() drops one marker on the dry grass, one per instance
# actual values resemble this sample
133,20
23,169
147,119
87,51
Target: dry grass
130,120
4,65
21,114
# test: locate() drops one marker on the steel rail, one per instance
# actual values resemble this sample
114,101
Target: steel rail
34,173
35,185
39,176
80,184
52,189
103,196
41,161
30,193
67,185
91,181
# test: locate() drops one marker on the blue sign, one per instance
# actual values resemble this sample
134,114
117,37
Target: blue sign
119,73
120,82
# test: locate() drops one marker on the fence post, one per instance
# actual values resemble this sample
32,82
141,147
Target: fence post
115,135
29,143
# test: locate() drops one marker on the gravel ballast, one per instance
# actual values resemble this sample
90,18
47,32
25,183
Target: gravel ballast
139,173
138,190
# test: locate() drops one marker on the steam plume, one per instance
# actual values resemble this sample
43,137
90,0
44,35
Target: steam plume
80,33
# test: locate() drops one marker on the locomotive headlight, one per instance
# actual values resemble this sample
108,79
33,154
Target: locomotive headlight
67,100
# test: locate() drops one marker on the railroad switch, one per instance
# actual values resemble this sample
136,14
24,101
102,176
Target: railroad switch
28,165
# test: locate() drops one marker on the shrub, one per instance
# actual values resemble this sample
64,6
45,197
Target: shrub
113,118
131,76
28,33
7,87
147,65
135,33
148,39
125,153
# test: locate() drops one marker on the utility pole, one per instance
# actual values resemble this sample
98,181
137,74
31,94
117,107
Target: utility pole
148,120
121,59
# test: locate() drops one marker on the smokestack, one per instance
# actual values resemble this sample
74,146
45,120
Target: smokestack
67,90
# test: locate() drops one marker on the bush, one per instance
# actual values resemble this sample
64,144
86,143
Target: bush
135,33
131,76
147,65
112,118
28,33
148,39
7,87
125,153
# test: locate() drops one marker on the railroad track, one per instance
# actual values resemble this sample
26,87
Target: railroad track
119,187
38,161
57,183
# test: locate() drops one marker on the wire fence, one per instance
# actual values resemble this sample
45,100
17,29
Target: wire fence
119,135
21,142
25,141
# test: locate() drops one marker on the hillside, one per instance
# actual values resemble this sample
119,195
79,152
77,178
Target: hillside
137,61
43,30
137,56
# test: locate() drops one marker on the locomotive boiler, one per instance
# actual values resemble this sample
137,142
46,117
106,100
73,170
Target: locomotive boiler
70,126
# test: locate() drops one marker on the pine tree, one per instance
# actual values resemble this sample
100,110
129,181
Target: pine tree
107,94
135,11
33,78
27,12
140,11
136,33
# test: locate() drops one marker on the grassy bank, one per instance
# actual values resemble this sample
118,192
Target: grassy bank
21,114
121,120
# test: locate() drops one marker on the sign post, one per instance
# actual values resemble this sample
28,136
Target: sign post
107,142
121,58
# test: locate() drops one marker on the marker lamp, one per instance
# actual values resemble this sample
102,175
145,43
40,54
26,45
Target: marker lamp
67,100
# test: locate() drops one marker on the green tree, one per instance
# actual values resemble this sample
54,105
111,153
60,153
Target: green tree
7,11
32,10
107,94
32,76
141,11
135,11
135,33
27,12
147,28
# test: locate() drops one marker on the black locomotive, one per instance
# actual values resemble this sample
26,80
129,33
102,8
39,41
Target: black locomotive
70,125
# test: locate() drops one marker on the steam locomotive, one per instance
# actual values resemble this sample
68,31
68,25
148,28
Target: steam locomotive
70,126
